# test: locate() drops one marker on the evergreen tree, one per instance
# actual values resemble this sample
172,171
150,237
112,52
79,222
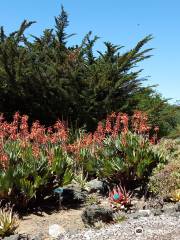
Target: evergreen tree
47,79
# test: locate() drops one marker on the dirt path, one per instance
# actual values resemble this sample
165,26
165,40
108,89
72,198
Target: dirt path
33,224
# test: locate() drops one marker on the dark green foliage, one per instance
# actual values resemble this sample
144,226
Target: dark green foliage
46,79
160,112
175,132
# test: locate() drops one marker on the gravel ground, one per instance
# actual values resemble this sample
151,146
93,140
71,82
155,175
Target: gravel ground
162,227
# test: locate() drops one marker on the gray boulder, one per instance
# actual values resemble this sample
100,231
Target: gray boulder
13,237
169,208
177,207
142,213
70,194
17,237
96,185
95,213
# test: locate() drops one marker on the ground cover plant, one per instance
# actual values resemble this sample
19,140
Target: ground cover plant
165,180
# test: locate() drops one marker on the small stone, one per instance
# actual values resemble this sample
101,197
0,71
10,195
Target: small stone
175,214
169,208
139,230
13,237
55,230
138,204
95,185
157,212
40,236
177,207
144,213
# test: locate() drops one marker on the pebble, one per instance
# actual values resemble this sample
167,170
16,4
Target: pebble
162,227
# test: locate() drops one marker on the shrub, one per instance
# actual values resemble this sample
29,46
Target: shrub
8,221
175,195
167,148
165,179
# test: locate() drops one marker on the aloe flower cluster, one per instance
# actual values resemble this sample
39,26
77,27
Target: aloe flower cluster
35,159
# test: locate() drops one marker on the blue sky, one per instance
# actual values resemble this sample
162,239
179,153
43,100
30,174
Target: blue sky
123,22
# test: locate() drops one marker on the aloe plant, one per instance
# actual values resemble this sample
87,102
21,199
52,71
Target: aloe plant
119,197
126,158
28,177
8,221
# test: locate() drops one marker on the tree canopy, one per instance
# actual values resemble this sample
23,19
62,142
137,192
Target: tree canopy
48,79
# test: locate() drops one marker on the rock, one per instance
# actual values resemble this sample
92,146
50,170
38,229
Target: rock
13,237
169,208
95,213
177,207
142,213
134,215
40,236
139,230
72,194
157,212
96,185
17,237
56,230
175,215
138,204
155,203
24,237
